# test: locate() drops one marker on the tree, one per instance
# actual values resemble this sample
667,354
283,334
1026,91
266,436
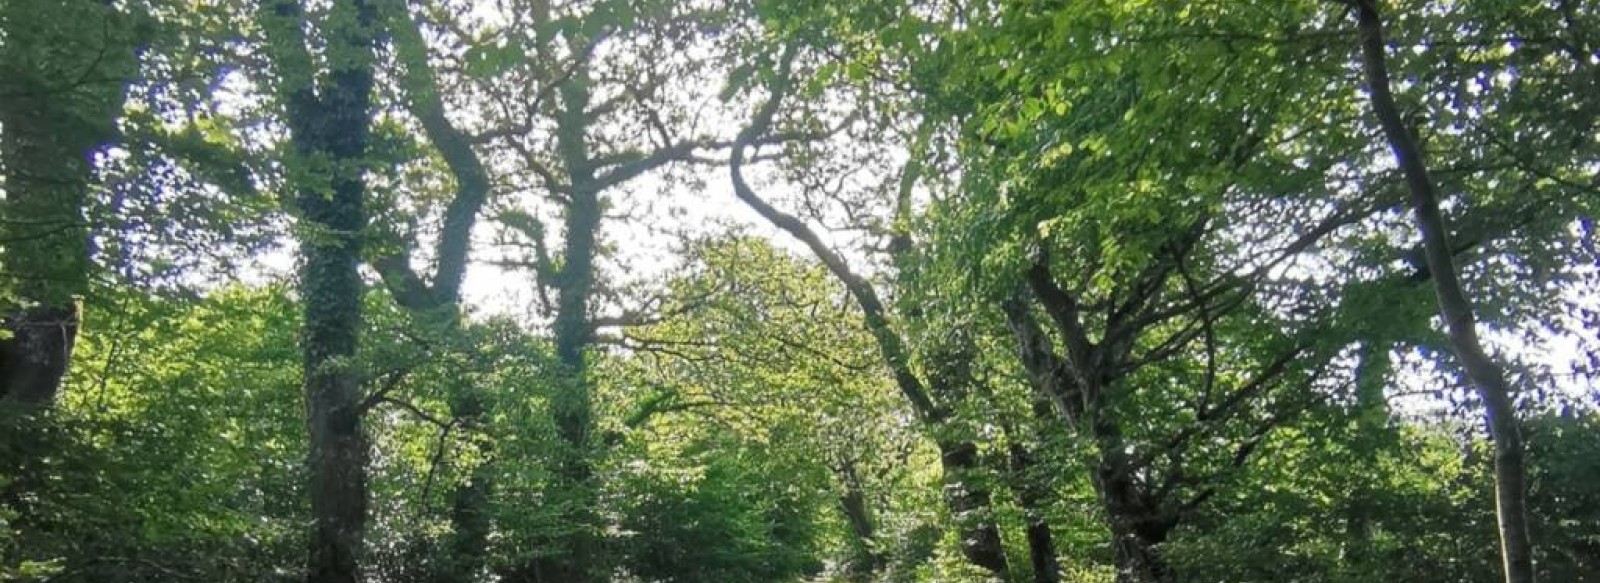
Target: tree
1510,469
966,497
756,344
67,66
1012,290
582,101
328,109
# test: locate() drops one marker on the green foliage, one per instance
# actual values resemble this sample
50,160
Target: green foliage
763,357
1414,508
629,382
176,453
727,512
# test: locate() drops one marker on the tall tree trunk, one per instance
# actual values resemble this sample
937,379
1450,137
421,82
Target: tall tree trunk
64,63
1485,374
1137,559
571,405
328,124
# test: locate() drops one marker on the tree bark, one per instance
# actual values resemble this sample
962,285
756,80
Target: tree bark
969,502
329,124
1136,519
1485,374
1138,524
65,64
34,359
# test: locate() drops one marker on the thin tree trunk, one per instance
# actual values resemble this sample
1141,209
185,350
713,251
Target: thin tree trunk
329,124
54,122
1485,374
868,560
1033,495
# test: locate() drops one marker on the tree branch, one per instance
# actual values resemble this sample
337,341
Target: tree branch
877,321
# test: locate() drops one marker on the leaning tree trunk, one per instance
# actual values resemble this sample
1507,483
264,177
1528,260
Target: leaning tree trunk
1486,375
328,125
63,62
867,560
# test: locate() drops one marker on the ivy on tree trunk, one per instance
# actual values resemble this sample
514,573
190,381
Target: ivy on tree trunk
329,116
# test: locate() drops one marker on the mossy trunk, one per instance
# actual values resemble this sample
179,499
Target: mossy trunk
328,118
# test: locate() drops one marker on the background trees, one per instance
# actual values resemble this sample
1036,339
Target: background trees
66,67
794,291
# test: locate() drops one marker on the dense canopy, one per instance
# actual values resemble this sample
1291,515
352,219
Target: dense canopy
910,291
